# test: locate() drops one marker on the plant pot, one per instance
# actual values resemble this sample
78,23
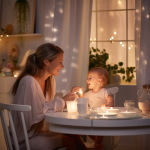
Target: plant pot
117,79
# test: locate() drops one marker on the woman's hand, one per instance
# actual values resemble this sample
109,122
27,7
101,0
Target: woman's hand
76,89
70,97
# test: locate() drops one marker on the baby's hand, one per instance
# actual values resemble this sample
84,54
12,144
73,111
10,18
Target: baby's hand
103,105
76,89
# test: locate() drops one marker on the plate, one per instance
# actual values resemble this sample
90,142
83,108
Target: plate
107,114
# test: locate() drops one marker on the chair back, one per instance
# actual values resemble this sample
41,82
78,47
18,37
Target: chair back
20,109
114,90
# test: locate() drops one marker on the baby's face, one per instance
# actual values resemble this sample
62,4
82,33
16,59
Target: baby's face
93,80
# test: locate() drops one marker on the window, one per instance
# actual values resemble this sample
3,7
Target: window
112,28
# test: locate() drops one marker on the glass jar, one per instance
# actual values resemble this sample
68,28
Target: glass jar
129,105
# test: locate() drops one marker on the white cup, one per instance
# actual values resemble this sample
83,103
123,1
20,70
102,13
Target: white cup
71,106
82,100
82,109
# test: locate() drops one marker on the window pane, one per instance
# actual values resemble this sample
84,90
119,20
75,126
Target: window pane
92,44
116,51
131,54
111,4
111,22
93,27
94,5
131,4
131,25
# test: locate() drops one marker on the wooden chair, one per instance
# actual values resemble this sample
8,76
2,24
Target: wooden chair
20,109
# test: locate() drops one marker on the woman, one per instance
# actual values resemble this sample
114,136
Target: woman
36,87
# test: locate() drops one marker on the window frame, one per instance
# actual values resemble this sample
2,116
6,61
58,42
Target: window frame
126,41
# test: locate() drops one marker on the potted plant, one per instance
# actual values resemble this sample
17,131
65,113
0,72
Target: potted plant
99,58
22,9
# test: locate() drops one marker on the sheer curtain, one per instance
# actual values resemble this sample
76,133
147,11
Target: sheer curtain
142,53
142,42
67,25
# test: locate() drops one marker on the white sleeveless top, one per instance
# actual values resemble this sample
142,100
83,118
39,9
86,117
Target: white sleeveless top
98,98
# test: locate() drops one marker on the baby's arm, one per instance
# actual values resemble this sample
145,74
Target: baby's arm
110,102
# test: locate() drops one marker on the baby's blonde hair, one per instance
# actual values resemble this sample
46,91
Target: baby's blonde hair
102,73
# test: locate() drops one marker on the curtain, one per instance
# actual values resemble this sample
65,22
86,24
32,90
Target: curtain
67,25
142,42
142,55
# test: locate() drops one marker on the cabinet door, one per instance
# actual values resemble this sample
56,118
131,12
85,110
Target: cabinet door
2,85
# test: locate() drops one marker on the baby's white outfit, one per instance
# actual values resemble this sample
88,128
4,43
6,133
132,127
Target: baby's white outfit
98,98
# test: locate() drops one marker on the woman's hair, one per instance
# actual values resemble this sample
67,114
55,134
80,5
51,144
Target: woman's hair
35,63
102,73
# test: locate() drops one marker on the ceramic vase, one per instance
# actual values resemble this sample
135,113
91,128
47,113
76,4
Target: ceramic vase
117,79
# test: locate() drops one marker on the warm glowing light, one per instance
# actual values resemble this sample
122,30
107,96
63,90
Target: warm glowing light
111,108
7,35
143,8
46,17
119,2
90,39
81,94
129,47
80,91
112,37
60,10
52,15
15,75
54,39
120,42
145,62
94,39
115,32
0,39
47,25
122,45
64,70
1,35
107,111
147,16
71,106
101,29
136,10
54,29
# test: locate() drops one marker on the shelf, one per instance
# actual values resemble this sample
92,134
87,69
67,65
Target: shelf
16,35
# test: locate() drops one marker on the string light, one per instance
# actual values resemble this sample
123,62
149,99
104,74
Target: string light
122,45
115,33
120,42
129,47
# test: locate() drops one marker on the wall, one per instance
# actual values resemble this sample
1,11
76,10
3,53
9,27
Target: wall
30,42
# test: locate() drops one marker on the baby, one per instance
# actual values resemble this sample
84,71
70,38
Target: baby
100,96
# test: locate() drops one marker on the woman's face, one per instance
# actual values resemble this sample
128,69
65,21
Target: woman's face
54,67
